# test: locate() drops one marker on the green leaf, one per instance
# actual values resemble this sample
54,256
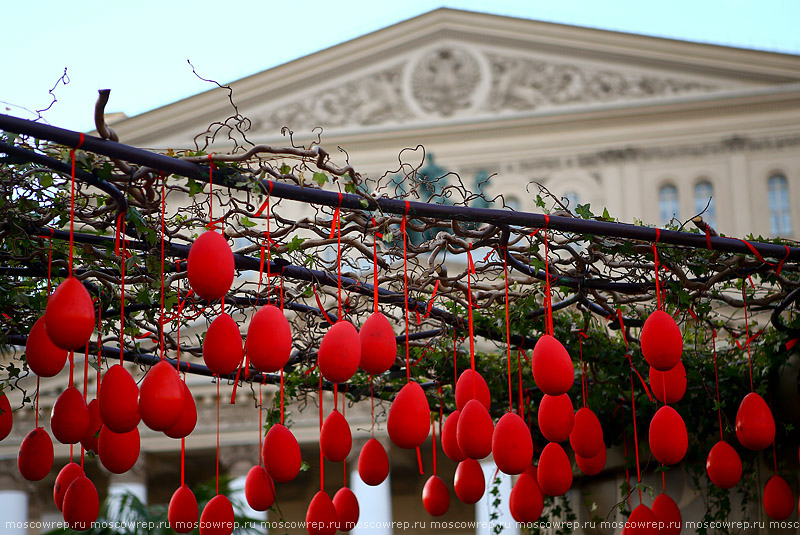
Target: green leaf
246,222
285,169
305,467
45,179
320,178
584,211
295,244
194,187
350,188
606,215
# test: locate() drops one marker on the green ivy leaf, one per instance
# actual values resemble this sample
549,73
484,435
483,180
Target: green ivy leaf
246,222
194,187
320,178
295,244
285,169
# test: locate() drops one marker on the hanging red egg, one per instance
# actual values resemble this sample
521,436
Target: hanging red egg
222,347
217,517
409,417
347,511
593,465
281,454
474,431
89,440
118,452
469,482
161,397
778,498
321,516
81,504
210,266
69,418
472,385
552,368
64,479
188,420
641,522
435,496
556,417
69,316
526,500
672,382
378,344
554,473
586,438
668,515
35,457
668,437
373,463
269,340
335,439
119,400
6,416
45,359
662,341
723,465
755,426
259,490
339,352
450,438
182,513
512,446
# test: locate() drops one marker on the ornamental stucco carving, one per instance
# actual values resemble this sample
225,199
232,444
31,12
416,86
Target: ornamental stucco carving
445,80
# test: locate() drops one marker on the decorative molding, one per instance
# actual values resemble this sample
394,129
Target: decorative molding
445,80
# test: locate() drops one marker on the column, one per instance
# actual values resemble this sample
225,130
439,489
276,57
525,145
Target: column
13,500
484,508
122,488
375,503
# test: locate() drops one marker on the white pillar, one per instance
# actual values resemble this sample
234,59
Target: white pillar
375,505
484,508
13,512
237,495
132,482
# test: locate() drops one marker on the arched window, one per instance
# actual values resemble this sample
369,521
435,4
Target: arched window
668,203
571,199
780,220
704,202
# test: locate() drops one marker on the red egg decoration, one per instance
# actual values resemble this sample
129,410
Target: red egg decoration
69,418
723,465
554,473
556,417
778,498
69,316
118,452
469,482
269,340
512,446
161,397
119,400
222,347
378,344
668,515
259,490
552,368
339,352
188,420
64,479
81,504
35,458
641,522
373,463
210,266
755,426
472,385
671,382
347,510
474,431
45,359
586,438
217,517
526,500
409,417
183,512
335,439
321,516
281,454
6,416
450,438
668,438
89,440
593,465
435,496
662,341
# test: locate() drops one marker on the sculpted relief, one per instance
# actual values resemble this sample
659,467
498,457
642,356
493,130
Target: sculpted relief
451,80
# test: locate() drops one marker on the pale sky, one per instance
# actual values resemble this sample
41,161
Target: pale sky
139,49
